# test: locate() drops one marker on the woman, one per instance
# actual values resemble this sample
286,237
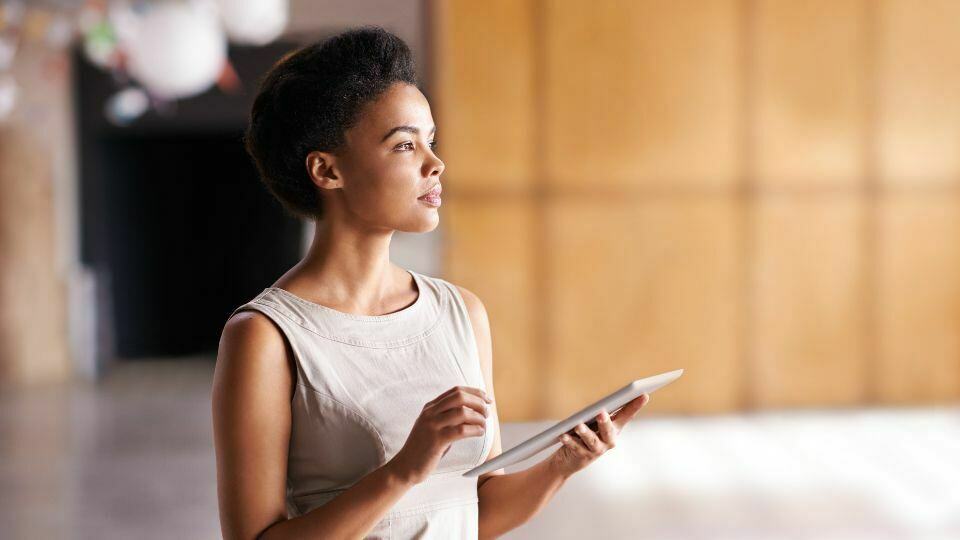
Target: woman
350,396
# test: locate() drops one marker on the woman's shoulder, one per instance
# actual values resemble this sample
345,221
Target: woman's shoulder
250,335
251,328
472,302
253,349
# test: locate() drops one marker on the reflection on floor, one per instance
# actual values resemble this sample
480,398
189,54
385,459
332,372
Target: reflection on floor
132,457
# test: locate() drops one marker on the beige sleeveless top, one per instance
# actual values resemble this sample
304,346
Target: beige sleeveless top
362,380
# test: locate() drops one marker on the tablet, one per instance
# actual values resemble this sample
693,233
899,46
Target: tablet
550,436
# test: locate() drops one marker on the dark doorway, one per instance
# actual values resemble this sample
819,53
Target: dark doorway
192,236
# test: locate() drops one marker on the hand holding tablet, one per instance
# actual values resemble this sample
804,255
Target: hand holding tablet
612,403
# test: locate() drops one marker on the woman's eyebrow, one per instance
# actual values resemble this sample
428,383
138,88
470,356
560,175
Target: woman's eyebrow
408,129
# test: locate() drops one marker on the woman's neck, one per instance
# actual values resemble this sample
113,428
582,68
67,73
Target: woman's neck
349,269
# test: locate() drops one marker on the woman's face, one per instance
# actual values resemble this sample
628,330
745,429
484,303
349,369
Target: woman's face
387,165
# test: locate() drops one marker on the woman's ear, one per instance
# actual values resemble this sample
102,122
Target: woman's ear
320,167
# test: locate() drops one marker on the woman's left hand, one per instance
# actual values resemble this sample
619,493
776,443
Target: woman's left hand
582,445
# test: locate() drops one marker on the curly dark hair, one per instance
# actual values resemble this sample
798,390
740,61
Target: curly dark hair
310,98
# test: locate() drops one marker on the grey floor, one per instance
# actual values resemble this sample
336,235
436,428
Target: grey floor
132,457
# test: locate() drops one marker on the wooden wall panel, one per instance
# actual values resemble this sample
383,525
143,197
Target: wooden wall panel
641,93
488,250
638,287
919,300
653,132
808,330
484,75
810,92
919,92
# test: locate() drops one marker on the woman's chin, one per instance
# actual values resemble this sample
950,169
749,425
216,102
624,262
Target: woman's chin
431,223
421,224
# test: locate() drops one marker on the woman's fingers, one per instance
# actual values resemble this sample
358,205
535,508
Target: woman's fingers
459,390
461,399
589,444
629,410
590,439
461,415
608,433
575,445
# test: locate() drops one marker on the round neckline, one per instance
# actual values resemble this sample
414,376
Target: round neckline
360,317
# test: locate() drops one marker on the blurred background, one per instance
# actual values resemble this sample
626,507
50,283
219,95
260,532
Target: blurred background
765,193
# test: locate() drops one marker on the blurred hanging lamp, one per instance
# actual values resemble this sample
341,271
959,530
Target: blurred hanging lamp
175,49
172,49
254,23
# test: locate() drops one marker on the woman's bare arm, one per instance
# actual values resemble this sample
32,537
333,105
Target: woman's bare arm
252,388
506,501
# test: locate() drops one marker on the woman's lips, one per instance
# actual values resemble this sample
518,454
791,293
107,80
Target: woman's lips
432,198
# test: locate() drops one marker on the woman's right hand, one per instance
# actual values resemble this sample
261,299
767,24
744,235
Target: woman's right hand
458,413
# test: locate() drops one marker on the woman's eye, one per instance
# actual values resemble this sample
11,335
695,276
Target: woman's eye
408,145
